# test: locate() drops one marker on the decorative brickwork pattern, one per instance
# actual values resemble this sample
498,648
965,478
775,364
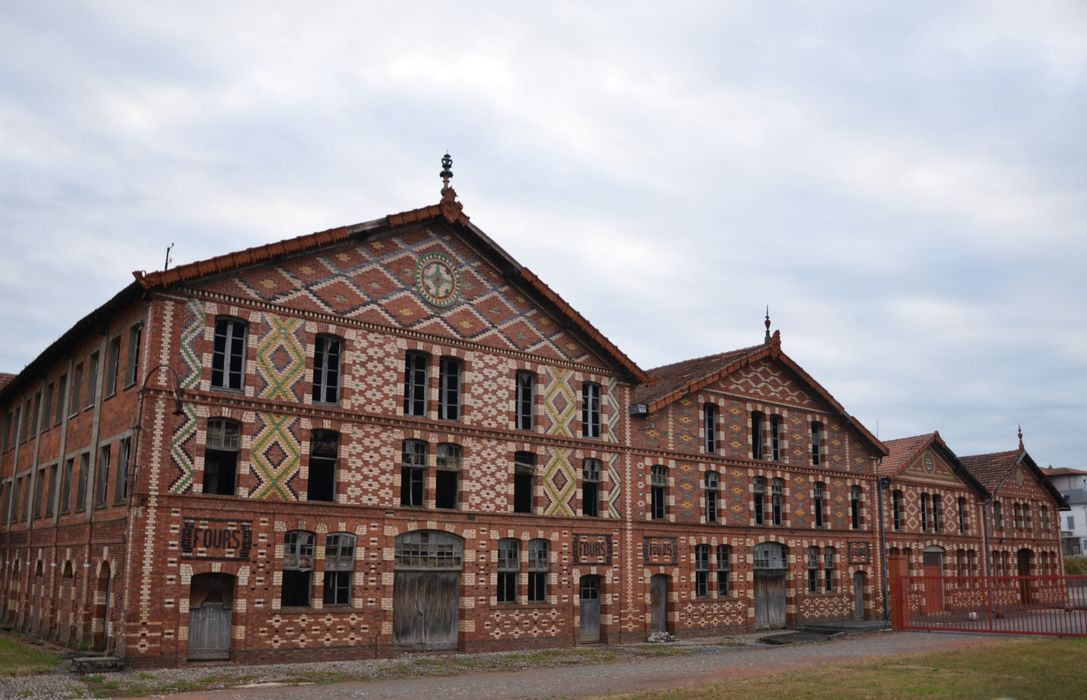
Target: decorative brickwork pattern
560,401
615,486
559,483
281,359
766,381
181,451
275,455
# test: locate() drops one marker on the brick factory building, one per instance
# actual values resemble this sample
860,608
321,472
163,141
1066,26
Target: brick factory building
392,436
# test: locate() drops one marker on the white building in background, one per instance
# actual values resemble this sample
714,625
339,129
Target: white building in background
1072,483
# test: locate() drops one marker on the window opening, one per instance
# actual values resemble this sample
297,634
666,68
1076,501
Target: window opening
221,457
962,515
509,563
855,507
590,410
775,437
818,501
92,379
297,568
525,383
709,428
937,513
120,479
101,487
756,435
831,563
537,570
324,451
813,569
590,488
816,443
81,493
924,512
132,366
326,369
712,484
759,501
339,568
113,365
415,381
777,494
447,475
412,473
449,376
228,355
724,568
658,491
524,468
702,570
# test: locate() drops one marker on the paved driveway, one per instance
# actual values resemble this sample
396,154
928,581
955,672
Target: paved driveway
702,665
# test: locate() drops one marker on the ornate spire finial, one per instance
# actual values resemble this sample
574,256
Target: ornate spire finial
1020,437
447,170
767,324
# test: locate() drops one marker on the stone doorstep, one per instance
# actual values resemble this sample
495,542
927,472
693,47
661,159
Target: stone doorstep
94,664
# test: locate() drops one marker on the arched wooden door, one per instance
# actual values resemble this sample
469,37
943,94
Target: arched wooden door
211,616
590,595
770,570
426,590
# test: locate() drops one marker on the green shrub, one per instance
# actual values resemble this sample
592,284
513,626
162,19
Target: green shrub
1076,566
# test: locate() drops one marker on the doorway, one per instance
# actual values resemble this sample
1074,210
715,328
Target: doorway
770,570
211,616
658,603
426,590
103,590
1023,561
590,609
932,562
858,595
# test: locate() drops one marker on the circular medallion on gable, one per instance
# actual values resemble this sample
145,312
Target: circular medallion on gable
437,279
930,465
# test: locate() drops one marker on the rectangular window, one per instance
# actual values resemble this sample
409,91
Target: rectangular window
937,513
756,435
525,383
775,437
777,495
228,355
39,492
759,500
324,452
818,500
81,490
415,381
413,473
816,443
447,475
509,564
66,486
658,492
1045,518
855,507
92,379
524,467
120,489
101,486
62,386
724,568
28,421
537,570
221,457
1027,517
132,362
590,410
47,408
51,493
998,516
702,570
37,413
326,369
590,488
712,484
924,512
828,575
5,426
962,515
709,428
813,569
449,389
339,567
113,365
297,568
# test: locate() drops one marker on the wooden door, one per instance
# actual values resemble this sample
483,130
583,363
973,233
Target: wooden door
209,632
769,600
590,608
1023,568
933,570
425,609
658,603
858,595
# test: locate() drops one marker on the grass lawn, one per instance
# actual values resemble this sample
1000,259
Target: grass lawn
19,659
1019,668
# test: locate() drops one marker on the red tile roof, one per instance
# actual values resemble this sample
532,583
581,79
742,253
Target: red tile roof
671,382
1051,471
902,451
991,470
5,379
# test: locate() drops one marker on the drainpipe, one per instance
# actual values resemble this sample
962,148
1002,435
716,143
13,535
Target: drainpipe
884,483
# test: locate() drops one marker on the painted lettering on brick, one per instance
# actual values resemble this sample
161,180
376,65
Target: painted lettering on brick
592,549
216,538
662,551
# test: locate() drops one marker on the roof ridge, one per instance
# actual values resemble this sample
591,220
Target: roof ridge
992,454
706,357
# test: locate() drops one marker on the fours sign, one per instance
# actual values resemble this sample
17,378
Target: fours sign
592,549
860,553
660,550
216,538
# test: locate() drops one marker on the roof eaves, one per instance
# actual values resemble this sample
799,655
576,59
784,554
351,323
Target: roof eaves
756,352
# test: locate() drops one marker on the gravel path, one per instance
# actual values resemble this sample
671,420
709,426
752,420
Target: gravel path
703,664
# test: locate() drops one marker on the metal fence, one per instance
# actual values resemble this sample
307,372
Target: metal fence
1042,605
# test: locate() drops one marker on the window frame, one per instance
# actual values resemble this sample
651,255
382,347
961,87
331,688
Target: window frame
777,500
524,482
591,478
327,379
113,366
324,458
538,569
450,387
724,570
856,511
223,438
416,376
299,547
818,503
816,443
758,501
509,569
709,428
339,569
702,571
658,492
449,458
591,410
228,361
413,473
524,400
712,483
132,361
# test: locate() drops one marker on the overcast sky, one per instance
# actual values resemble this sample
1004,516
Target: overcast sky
904,184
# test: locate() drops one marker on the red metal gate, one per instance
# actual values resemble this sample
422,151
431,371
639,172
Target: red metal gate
1042,605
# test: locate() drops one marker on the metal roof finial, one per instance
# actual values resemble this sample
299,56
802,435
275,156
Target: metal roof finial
767,323
1020,437
447,170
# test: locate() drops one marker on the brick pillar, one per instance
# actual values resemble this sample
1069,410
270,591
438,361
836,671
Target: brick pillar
898,569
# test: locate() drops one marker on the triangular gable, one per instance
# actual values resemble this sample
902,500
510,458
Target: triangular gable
673,382
1016,468
926,458
428,270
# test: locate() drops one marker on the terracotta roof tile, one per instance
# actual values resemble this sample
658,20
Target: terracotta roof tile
1050,471
902,451
990,469
5,379
669,379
